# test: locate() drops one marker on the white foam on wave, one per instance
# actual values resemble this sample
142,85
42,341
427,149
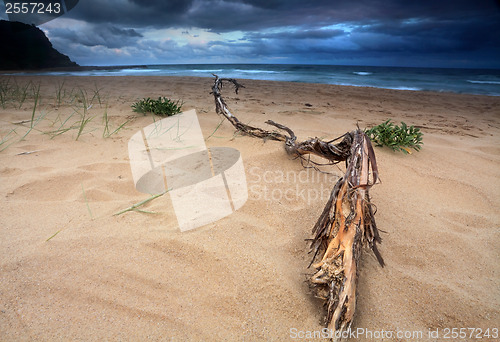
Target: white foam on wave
404,88
203,70
256,71
380,86
483,82
362,73
133,71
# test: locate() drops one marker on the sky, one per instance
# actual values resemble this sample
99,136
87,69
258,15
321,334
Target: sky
423,33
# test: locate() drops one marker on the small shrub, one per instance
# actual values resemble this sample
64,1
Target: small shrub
163,106
398,138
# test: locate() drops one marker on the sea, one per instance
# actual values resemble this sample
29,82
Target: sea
462,81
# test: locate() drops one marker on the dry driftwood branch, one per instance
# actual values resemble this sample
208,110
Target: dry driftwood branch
327,150
347,222
221,108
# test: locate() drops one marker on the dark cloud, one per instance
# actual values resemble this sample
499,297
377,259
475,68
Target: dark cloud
219,15
109,36
428,35
316,30
298,34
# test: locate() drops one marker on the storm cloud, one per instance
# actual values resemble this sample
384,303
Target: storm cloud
460,33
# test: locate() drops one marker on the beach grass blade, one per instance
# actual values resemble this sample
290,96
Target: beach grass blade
4,91
59,93
34,122
5,140
52,236
87,202
135,207
106,133
216,128
117,129
82,123
105,120
97,95
85,119
23,93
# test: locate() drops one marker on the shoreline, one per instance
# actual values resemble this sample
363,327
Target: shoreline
244,80
137,275
460,81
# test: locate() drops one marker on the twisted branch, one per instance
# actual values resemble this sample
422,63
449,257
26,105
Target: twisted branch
333,153
347,222
221,108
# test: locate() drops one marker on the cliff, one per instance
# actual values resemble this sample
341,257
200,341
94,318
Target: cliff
25,47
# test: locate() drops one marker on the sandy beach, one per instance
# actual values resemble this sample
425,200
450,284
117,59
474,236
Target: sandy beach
71,270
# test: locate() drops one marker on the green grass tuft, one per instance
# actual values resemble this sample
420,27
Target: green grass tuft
163,106
399,138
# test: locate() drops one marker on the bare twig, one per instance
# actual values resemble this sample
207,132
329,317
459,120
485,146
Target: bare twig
27,152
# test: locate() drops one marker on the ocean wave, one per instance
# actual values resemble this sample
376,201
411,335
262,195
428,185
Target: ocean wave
404,88
460,81
256,71
207,70
380,86
483,82
139,70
